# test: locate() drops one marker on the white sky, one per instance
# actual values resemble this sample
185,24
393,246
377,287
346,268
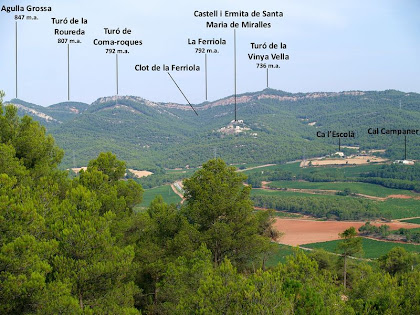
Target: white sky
333,46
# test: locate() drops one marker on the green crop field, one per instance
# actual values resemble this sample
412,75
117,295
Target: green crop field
245,165
347,171
261,169
360,188
265,192
189,171
416,230
371,248
416,221
291,167
400,208
165,191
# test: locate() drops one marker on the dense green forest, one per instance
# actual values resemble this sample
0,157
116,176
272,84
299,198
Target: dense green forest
75,245
339,208
281,127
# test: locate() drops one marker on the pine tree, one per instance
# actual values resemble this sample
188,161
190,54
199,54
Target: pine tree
350,245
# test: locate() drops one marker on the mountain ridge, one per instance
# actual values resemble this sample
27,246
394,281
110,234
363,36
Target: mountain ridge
280,126
78,107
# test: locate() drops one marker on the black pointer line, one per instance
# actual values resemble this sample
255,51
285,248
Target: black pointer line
234,65
116,70
205,61
183,94
68,72
16,51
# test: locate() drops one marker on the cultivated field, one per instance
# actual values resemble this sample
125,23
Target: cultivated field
294,167
140,174
78,169
165,191
178,188
415,221
360,188
400,208
300,231
397,206
371,248
357,160
255,167
284,167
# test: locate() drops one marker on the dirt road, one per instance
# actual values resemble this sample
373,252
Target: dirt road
253,168
174,188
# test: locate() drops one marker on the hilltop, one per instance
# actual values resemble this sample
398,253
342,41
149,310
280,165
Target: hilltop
277,126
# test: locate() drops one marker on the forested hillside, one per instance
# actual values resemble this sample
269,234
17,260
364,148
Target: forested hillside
51,115
277,126
76,246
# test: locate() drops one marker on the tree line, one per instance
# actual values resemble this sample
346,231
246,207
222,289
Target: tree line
340,208
383,231
391,176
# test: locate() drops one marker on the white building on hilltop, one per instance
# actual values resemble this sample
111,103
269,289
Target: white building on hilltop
405,162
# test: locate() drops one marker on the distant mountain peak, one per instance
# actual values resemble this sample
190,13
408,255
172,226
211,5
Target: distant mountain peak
72,107
53,114
33,110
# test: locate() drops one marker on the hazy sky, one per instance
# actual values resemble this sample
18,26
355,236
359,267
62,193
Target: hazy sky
333,46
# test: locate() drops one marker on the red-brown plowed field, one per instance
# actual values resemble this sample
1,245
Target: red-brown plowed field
298,232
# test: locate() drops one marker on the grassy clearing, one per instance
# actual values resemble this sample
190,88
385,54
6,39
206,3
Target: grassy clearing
371,248
360,188
165,191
